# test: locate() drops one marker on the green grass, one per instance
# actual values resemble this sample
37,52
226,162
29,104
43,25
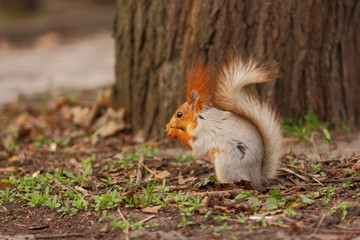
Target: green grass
42,190
57,191
133,157
303,128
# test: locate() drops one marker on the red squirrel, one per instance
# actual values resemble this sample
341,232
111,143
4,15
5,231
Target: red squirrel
222,119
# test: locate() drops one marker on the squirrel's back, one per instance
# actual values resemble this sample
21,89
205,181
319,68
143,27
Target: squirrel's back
229,95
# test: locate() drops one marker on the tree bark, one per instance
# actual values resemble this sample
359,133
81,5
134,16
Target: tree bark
316,43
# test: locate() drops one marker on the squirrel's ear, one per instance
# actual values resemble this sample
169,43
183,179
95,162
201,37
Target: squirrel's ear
198,85
194,98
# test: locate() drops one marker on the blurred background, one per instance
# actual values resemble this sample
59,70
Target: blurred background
48,45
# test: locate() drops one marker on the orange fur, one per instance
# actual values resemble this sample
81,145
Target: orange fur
199,81
183,137
197,98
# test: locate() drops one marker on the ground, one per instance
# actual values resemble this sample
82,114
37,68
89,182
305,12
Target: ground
71,169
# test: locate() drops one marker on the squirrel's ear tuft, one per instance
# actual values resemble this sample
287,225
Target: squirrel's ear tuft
194,98
198,86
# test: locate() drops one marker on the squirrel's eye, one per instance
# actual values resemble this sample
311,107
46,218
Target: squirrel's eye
179,114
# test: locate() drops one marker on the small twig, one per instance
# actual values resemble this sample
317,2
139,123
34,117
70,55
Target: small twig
142,164
67,186
317,227
293,173
73,146
126,231
317,180
140,169
217,193
63,236
341,180
146,219
184,187
348,229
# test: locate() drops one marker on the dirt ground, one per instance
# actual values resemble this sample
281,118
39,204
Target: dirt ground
70,168
83,142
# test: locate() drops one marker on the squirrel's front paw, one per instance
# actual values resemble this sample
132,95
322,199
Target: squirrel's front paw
173,132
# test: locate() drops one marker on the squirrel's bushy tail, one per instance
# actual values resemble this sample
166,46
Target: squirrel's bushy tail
230,95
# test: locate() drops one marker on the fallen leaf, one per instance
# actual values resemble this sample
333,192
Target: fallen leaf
22,119
110,114
220,207
83,116
182,181
205,200
13,158
53,147
4,185
154,209
274,212
226,186
66,112
105,97
356,166
162,175
9,169
139,136
111,128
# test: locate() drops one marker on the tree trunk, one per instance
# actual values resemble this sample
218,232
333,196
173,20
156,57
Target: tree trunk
316,43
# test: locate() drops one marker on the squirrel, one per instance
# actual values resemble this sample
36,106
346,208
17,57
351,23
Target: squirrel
222,119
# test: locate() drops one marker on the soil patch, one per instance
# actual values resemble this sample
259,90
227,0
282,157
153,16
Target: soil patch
70,169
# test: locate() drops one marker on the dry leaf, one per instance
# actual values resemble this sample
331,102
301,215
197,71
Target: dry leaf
154,209
66,112
111,121
4,185
83,116
139,136
9,169
220,207
356,166
53,147
13,158
111,128
105,97
162,175
182,181
22,119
